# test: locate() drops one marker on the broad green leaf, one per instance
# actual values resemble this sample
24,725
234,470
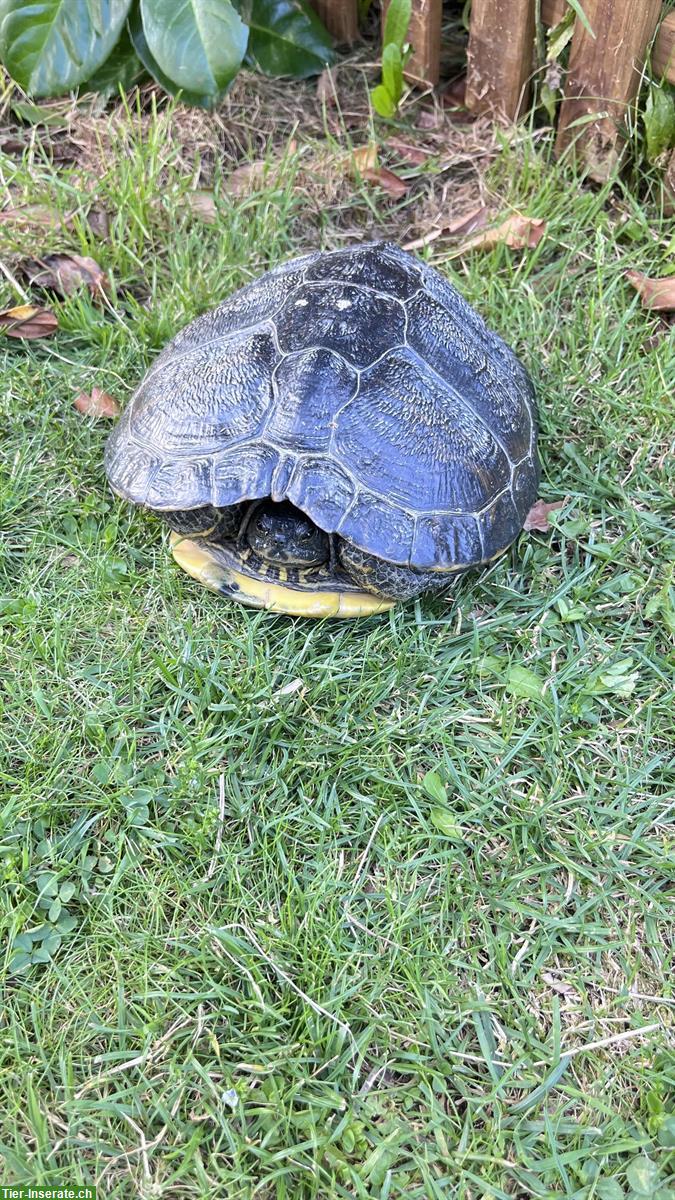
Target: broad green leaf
446,824
137,35
576,5
123,68
48,884
52,45
19,963
66,892
66,922
54,910
198,44
642,1174
524,683
396,23
659,120
609,1189
434,787
286,38
392,71
558,37
383,103
666,1135
549,99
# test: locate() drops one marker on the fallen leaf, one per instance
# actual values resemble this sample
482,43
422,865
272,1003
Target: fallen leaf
27,321
364,158
97,403
657,294
98,221
429,118
411,154
390,183
65,273
12,146
460,227
326,87
516,231
560,985
203,205
247,177
469,222
537,518
33,214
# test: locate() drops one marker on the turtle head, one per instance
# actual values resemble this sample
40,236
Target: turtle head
281,534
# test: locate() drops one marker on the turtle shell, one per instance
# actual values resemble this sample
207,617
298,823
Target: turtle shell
359,385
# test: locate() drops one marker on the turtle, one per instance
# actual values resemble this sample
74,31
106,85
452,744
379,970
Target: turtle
341,434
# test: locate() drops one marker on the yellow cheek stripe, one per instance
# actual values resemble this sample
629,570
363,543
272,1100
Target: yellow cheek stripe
203,566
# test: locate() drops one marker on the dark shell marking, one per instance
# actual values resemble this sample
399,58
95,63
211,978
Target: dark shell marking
359,385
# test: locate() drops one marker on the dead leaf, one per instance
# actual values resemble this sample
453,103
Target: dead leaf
364,158
537,518
326,87
247,177
97,403
98,221
33,214
390,183
560,985
429,118
203,205
476,219
411,154
656,294
65,273
463,225
516,232
27,321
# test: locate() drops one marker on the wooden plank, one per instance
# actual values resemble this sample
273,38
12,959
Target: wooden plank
501,43
424,65
663,52
603,78
341,18
553,11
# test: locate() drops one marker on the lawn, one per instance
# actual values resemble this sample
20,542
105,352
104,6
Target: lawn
372,909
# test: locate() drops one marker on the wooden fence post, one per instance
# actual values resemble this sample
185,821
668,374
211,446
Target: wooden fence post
424,35
501,43
341,18
603,78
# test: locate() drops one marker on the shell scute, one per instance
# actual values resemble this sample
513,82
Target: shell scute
384,268
350,320
400,437
309,387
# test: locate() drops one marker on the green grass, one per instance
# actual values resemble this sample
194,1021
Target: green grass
379,961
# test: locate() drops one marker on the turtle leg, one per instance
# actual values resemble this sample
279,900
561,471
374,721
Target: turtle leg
215,524
386,579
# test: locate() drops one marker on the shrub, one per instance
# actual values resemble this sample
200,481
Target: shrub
195,49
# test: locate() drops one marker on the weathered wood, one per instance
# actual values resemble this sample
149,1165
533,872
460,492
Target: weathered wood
424,35
341,18
603,78
663,54
501,42
553,11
